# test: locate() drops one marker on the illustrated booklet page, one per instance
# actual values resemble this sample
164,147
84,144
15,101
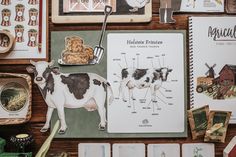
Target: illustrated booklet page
146,72
212,63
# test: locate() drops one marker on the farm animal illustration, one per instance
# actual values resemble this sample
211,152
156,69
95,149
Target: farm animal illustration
75,90
192,3
221,87
143,78
137,4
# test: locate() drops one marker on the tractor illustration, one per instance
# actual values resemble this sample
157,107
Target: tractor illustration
206,83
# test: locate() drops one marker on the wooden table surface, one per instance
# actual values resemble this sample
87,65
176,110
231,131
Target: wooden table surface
71,145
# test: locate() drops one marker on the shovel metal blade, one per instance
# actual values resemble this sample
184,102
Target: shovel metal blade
98,53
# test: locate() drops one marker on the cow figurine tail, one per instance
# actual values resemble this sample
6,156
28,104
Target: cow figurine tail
107,85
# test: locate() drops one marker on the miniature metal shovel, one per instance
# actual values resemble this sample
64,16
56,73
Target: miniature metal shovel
99,50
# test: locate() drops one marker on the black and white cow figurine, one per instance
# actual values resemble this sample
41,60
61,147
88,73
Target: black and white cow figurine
142,78
75,90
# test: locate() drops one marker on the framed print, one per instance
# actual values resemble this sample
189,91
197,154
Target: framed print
124,11
27,22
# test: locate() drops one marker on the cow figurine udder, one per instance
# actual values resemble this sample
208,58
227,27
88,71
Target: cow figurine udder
75,90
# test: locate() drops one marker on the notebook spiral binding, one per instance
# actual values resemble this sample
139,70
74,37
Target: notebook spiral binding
191,81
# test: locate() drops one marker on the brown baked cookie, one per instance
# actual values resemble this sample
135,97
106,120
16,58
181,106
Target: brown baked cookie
89,51
76,52
74,58
74,44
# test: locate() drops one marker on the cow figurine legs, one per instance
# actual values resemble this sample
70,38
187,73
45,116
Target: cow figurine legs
76,90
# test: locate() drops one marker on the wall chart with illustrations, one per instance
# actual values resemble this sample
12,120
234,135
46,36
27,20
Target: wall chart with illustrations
147,78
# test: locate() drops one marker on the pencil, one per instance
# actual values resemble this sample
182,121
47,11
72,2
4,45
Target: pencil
40,26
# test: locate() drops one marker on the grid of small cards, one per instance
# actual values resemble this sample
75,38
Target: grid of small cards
153,150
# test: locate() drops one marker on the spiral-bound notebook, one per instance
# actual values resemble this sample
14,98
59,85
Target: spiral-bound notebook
213,63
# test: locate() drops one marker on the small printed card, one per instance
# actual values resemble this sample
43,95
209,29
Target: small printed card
94,149
87,5
217,126
128,150
198,120
198,150
202,5
163,150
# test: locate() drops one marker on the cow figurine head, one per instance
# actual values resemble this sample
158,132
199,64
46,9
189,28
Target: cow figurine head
42,71
66,90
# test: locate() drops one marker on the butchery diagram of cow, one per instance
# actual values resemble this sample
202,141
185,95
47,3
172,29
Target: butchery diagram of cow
149,82
221,87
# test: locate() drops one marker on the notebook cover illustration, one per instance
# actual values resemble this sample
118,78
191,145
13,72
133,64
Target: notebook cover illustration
212,63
